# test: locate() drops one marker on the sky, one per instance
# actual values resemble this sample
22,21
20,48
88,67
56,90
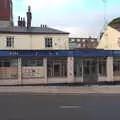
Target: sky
81,18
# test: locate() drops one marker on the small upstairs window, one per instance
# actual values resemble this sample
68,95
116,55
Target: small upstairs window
48,42
10,41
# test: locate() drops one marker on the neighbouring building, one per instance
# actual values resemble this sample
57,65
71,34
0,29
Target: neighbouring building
110,40
83,43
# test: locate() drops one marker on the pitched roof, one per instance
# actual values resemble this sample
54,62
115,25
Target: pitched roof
115,23
32,30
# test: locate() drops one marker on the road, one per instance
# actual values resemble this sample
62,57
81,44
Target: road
59,107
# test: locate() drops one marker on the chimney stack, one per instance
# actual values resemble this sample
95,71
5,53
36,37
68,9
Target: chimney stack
29,17
21,22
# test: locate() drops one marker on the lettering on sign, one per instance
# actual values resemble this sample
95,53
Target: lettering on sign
36,53
13,53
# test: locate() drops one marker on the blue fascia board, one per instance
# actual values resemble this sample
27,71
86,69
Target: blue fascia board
43,53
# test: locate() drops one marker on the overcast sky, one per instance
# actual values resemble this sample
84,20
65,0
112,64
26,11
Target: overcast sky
82,18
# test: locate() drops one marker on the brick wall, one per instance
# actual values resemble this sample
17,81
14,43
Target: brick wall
5,9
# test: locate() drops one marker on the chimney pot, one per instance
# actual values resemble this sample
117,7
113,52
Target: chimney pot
45,26
19,18
24,23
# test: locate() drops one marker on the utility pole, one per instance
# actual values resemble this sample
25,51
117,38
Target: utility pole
105,22
105,13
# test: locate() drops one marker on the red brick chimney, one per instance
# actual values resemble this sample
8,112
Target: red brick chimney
6,10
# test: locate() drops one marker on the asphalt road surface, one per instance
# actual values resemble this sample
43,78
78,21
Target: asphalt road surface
59,107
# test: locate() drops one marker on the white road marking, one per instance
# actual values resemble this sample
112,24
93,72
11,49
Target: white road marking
70,107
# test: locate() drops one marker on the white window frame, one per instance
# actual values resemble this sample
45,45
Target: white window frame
72,40
78,40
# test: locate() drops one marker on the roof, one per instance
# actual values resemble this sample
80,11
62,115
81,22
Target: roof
90,38
115,23
32,30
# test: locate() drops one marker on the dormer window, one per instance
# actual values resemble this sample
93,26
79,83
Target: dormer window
10,41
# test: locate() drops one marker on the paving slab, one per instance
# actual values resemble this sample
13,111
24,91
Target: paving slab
62,89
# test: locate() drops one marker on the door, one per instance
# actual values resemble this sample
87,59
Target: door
56,70
90,70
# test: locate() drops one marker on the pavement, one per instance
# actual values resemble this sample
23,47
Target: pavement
27,106
62,89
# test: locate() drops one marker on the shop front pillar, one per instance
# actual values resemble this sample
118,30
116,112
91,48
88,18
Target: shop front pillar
70,69
109,69
20,71
45,69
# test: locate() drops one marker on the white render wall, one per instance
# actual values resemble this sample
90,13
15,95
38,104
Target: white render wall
110,68
34,42
109,40
70,69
